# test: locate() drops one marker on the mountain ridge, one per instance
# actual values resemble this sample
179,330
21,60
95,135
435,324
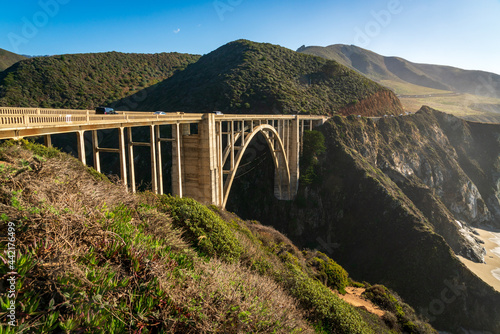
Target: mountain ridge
7,59
85,81
248,77
380,67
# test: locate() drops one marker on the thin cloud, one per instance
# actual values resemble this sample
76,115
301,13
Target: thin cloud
177,30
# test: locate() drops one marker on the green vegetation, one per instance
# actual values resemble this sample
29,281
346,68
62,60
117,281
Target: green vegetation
330,272
248,77
399,316
7,59
85,81
313,145
95,259
208,231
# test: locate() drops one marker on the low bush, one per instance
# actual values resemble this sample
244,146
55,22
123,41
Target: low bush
206,230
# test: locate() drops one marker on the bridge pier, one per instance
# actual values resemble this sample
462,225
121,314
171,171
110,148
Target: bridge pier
177,159
47,140
81,146
197,154
123,156
95,151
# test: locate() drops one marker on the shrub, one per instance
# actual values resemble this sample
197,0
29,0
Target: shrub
209,233
334,275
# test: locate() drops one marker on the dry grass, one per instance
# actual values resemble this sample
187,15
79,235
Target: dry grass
70,220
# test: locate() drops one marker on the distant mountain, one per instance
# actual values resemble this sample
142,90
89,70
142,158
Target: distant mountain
86,80
380,68
248,77
7,59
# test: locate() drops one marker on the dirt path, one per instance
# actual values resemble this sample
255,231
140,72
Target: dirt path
353,297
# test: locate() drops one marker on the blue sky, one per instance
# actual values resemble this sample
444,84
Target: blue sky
461,33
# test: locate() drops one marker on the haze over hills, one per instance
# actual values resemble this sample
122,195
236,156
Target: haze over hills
381,68
85,81
7,59
248,77
417,84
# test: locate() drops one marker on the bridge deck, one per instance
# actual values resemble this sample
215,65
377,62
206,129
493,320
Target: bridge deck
25,122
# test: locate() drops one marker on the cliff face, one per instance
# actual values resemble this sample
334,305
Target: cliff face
392,201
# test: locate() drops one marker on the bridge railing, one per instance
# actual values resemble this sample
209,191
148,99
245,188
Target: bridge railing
36,120
41,111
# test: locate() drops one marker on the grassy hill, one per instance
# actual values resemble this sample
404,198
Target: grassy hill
96,259
84,81
422,84
7,59
248,77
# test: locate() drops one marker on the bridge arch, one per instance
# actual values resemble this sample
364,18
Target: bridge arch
279,154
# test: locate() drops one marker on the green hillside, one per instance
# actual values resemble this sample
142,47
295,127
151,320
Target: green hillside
248,77
7,59
96,259
84,81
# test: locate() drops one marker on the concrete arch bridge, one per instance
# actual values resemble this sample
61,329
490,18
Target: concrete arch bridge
205,157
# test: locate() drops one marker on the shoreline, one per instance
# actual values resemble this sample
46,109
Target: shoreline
489,272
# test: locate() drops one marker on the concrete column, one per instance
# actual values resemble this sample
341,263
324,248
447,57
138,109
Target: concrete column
131,160
158,160
154,169
95,151
177,187
81,147
201,169
293,156
186,129
242,133
47,139
233,143
220,166
301,138
123,156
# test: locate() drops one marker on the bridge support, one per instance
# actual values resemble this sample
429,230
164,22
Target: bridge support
81,147
47,140
123,156
199,177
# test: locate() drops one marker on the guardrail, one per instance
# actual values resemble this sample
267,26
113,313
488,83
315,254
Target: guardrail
41,111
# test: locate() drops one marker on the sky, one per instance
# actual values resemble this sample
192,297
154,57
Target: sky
460,33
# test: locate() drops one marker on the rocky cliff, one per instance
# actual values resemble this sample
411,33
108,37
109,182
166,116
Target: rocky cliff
393,200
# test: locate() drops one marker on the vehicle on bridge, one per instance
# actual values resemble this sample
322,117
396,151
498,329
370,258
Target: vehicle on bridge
105,111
